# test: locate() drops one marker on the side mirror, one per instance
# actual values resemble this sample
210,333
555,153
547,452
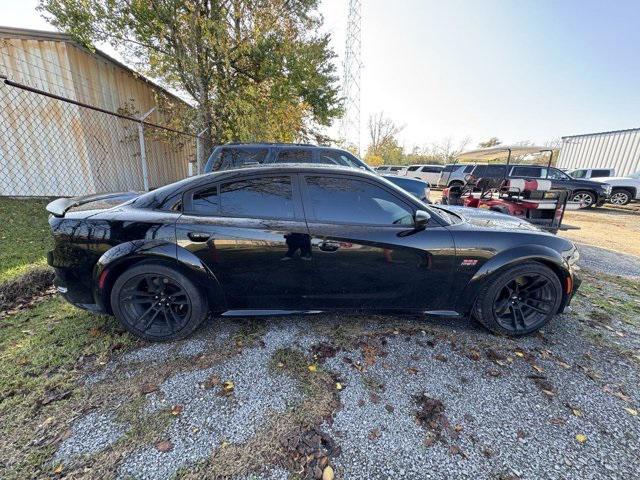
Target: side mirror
421,219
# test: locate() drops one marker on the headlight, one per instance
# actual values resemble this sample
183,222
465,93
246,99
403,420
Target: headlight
607,189
572,256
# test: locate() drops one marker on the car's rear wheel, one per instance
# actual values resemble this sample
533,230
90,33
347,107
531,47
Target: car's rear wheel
585,199
157,303
519,300
620,196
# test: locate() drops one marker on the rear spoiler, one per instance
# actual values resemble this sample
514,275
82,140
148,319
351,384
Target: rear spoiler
62,205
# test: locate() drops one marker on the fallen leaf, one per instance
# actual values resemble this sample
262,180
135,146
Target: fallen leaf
577,412
280,364
440,357
176,409
557,421
339,386
581,438
164,446
58,469
537,368
389,408
327,473
147,388
631,411
548,392
211,382
312,368
564,365
227,387
374,434
412,370
520,354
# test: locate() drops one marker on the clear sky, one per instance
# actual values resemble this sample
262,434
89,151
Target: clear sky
518,70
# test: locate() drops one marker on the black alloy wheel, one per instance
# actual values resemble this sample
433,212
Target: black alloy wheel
524,302
157,303
519,300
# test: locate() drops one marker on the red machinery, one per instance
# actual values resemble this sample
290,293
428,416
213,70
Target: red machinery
531,199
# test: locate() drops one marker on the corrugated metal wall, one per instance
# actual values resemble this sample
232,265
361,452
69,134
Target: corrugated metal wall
33,127
619,150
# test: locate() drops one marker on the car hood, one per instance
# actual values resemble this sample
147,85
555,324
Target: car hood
490,220
588,183
617,179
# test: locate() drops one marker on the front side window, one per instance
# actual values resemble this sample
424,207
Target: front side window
413,168
205,202
267,197
298,155
347,200
555,174
431,169
600,173
579,174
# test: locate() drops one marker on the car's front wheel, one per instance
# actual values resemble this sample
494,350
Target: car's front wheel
519,300
620,196
157,303
585,199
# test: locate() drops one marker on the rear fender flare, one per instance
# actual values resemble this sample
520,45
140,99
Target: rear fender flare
114,260
509,258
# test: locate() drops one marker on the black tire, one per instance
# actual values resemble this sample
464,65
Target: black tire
588,199
157,303
620,196
526,308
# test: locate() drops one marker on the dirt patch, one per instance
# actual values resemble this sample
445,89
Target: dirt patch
25,290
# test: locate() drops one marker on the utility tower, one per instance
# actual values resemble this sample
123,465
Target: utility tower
350,124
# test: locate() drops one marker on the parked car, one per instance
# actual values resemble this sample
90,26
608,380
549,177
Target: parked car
235,155
396,170
429,173
418,188
301,238
623,189
587,173
453,175
586,192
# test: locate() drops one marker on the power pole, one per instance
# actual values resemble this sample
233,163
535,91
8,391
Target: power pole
350,124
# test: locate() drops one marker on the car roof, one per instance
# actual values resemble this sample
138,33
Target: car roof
275,144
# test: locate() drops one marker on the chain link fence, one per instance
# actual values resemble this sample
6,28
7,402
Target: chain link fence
51,145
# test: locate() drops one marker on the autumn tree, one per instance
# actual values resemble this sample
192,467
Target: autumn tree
382,139
255,69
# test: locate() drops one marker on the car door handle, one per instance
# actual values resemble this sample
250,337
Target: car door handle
198,236
328,246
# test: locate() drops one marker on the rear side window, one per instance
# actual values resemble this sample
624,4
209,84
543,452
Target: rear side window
347,200
489,171
468,169
431,169
600,173
268,197
336,157
450,168
295,156
414,168
532,172
237,157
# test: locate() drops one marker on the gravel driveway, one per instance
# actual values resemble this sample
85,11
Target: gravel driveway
610,262
415,398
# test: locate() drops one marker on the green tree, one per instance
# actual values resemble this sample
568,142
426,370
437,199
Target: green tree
255,69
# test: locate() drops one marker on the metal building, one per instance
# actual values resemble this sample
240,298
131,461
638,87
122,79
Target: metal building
52,145
618,149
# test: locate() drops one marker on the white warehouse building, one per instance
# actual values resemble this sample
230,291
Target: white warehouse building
618,149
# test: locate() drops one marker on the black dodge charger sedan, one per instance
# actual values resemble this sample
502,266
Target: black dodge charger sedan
283,239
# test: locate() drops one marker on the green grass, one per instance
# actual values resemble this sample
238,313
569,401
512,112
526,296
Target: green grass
40,353
24,236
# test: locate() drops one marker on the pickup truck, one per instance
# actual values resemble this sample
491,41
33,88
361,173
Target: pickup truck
623,189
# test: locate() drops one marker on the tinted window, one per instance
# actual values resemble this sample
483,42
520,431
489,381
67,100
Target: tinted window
346,200
530,172
295,156
395,169
205,202
269,197
489,171
599,173
450,168
413,168
579,173
236,157
468,169
335,157
414,187
431,169
554,174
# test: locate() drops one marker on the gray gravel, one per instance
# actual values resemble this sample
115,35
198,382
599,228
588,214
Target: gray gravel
90,434
498,408
607,261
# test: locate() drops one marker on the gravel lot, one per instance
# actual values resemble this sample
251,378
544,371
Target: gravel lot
559,404
607,261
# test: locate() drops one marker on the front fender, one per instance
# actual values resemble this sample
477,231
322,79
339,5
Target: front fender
509,258
117,259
